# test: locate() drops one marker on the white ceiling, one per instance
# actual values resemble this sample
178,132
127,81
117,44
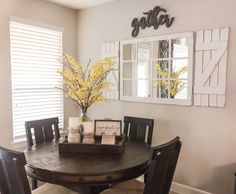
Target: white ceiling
80,4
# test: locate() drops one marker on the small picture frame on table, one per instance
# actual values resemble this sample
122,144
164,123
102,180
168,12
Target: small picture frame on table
107,127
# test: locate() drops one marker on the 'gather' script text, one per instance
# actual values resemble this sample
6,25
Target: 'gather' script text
153,18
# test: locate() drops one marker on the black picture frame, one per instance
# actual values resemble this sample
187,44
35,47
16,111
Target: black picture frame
108,127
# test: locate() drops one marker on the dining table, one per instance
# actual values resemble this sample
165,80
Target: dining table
83,172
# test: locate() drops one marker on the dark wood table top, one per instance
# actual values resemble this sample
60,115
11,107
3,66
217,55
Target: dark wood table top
46,164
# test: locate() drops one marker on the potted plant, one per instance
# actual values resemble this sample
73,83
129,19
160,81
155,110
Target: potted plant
85,84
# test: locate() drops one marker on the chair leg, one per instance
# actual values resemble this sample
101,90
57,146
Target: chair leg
145,178
235,183
34,184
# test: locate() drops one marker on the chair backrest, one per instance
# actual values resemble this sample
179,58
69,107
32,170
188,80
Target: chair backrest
161,171
135,128
13,179
43,130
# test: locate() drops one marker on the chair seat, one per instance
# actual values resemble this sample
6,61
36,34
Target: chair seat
128,187
52,189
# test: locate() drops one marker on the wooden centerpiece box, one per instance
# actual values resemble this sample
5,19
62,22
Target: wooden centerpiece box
108,139
96,148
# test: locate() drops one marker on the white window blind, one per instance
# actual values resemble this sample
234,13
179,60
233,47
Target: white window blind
35,60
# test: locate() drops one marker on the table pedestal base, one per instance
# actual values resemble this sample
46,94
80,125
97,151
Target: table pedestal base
88,189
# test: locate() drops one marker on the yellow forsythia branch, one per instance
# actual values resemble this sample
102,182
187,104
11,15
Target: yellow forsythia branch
175,85
85,85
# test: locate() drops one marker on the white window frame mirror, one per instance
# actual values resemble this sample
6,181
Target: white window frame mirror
140,80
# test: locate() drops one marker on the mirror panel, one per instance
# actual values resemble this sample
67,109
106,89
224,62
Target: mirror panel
143,70
127,70
179,48
144,51
160,49
127,87
142,88
179,68
158,69
160,91
129,52
178,89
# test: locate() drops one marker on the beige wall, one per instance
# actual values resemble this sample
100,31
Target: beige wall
38,11
208,156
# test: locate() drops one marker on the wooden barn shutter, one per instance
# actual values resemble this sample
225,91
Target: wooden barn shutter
111,49
210,67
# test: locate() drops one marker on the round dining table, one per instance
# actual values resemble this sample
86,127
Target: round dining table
86,173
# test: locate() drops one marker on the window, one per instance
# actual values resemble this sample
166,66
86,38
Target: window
157,69
35,60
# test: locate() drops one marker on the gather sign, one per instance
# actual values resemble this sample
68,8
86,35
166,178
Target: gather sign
155,18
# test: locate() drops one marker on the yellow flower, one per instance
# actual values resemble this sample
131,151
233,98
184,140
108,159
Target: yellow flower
85,85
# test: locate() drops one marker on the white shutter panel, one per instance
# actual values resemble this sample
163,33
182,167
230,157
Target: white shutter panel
111,49
35,60
210,67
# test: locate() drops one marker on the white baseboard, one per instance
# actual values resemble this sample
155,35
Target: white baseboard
183,189
21,146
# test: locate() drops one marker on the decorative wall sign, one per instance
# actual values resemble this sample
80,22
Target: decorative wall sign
155,18
210,67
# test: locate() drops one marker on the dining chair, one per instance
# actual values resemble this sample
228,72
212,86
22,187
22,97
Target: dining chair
159,175
13,179
43,130
136,128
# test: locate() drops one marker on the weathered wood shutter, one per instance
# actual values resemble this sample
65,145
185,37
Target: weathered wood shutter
111,49
210,67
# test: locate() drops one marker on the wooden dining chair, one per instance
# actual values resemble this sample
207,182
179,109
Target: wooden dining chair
136,128
13,179
44,130
160,173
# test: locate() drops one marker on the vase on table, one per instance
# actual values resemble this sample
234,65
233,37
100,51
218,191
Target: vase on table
83,117
87,128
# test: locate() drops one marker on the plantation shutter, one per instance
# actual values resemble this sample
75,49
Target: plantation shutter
35,60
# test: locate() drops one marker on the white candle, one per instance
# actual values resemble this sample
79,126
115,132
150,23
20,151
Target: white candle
88,127
74,122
